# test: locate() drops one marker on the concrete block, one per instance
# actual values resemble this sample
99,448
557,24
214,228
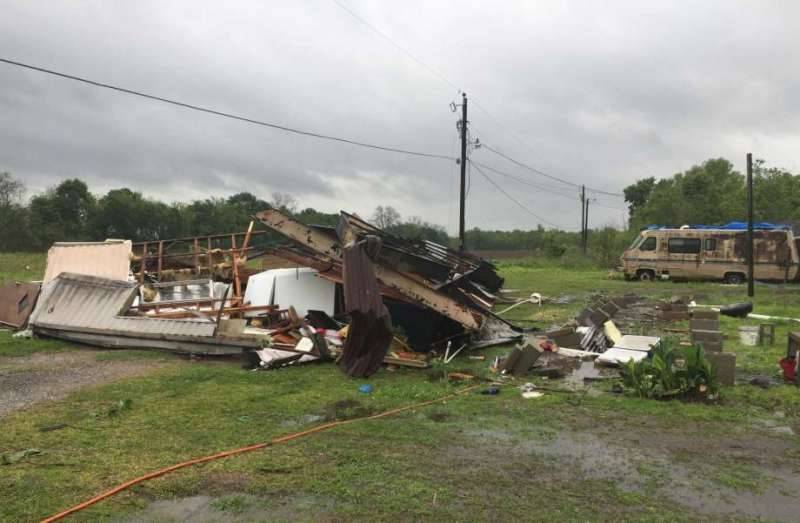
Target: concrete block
697,324
704,335
711,346
673,315
725,363
705,314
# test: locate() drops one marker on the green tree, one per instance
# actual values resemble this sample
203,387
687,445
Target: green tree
709,193
15,232
639,193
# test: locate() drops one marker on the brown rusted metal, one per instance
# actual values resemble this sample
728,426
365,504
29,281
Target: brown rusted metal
411,286
16,303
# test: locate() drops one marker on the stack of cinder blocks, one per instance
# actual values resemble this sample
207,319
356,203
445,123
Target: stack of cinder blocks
673,312
704,330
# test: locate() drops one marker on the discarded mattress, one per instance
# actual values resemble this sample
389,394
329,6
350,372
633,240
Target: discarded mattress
91,310
301,288
109,259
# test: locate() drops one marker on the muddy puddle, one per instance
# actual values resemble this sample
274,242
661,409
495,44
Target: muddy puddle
586,373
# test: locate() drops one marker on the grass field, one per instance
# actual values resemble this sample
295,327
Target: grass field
585,456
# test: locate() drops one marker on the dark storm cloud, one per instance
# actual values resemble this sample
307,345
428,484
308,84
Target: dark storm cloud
600,94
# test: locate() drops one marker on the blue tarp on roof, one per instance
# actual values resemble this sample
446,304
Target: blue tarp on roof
730,226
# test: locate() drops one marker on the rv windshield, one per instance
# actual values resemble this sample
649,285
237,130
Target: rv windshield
637,242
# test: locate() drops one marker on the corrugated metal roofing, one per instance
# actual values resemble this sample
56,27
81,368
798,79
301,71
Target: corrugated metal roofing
87,303
109,259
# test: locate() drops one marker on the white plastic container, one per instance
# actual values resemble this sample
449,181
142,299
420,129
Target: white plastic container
748,335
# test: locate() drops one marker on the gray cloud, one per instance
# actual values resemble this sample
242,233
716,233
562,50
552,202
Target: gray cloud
600,94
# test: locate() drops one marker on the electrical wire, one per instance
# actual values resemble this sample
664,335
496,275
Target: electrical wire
224,114
542,173
523,181
520,205
443,78
398,46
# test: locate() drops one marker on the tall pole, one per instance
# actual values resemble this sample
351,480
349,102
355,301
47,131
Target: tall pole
750,252
583,218
461,243
586,227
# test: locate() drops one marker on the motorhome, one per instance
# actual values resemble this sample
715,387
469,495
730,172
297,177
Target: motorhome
712,253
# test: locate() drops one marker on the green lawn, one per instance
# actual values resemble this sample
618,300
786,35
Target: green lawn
565,457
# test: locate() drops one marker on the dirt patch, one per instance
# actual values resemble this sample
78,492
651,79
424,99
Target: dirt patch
438,415
223,482
346,409
239,508
712,474
28,380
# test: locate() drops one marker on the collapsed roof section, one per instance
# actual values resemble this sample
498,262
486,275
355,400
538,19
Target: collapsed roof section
93,310
458,286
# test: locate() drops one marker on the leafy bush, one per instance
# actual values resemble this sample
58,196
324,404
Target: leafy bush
670,372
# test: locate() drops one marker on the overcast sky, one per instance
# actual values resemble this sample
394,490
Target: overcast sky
601,93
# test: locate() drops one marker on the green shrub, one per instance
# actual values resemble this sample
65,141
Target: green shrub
672,372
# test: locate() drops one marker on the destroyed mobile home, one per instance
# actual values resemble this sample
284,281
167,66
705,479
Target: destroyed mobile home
354,294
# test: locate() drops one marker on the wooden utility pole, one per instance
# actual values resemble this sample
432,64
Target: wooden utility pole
586,226
750,251
461,242
583,218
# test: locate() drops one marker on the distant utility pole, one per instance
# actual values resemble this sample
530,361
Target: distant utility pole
461,242
583,218
750,251
586,226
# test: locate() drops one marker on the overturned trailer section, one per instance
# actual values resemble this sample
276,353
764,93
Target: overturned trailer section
410,275
96,311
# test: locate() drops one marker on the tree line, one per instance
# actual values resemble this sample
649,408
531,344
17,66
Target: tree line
712,192
69,211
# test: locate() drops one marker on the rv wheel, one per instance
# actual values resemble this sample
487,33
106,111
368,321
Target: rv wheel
646,275
734,278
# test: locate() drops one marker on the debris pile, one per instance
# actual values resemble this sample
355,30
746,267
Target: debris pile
357,294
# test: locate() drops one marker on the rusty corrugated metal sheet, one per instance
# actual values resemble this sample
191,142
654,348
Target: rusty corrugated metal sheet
16,303
370,331
109,259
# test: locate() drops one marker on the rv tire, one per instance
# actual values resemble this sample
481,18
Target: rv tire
646,275
734,278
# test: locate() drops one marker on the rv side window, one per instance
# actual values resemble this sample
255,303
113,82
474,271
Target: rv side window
649,244
684,245
711,244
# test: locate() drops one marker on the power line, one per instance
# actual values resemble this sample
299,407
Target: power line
398,46
443,78
523,181
226,115
542,173
521,206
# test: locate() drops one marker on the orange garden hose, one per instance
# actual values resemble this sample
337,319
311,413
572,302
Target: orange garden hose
282,439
